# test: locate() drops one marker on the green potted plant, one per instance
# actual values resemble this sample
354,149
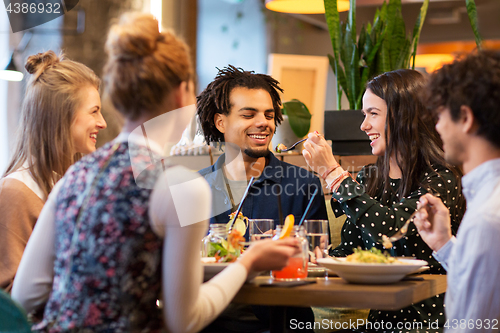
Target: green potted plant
295,125
381,46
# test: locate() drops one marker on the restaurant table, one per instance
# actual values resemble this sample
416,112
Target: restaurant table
335,292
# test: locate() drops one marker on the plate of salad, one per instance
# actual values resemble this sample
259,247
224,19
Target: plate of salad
221,254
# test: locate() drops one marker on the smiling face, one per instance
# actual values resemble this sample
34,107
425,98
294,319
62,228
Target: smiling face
88,121
375,111
250,122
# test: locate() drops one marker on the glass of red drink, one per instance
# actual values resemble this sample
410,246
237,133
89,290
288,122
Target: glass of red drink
297,265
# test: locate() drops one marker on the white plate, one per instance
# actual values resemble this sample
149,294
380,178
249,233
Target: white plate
211,268
371,273
421,269
315,271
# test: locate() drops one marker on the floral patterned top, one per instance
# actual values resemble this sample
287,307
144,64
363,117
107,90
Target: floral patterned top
368,218
107,270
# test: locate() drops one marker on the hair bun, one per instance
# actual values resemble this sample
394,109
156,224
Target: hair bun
39,62
134,36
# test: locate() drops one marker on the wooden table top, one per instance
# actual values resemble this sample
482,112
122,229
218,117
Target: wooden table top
335,292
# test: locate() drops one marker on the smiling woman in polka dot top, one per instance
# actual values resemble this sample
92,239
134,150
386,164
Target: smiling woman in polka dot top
410,163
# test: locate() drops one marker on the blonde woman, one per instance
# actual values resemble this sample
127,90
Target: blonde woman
60,120
106,246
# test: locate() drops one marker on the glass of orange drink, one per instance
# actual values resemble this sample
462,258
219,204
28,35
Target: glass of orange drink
297,265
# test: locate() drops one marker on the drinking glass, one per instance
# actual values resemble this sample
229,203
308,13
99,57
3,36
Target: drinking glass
318,238
261,229
297,265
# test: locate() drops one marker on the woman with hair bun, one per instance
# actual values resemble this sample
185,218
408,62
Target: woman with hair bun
107,245
61,116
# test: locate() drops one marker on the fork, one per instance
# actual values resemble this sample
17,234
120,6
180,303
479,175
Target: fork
400,233
292,147
404,229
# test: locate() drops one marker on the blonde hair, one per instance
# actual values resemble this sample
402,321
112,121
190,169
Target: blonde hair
52,98
144,65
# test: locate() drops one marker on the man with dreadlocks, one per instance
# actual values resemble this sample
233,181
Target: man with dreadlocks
242,109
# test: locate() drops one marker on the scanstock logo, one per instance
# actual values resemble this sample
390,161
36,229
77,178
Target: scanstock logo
27,14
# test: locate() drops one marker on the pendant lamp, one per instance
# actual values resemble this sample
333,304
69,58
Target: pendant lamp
11,73
303,6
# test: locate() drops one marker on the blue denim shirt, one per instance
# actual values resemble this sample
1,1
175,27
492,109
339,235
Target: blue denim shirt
295,185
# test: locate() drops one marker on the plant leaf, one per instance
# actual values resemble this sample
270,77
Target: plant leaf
417,29
298,116
352,19
355,76
362,40
367,72
341,81
472,13
398,41
348,66
404,56
345,54
387,16
333,21
395,35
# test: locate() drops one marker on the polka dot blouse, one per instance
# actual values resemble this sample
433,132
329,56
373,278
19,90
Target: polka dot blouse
368,218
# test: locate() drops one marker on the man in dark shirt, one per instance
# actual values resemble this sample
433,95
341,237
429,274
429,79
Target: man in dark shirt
242,109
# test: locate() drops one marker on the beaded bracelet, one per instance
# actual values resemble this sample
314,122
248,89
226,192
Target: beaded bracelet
329,171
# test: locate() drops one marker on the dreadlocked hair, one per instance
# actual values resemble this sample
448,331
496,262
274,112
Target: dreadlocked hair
215,98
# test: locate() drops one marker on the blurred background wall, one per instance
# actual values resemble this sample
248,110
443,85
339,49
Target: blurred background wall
219,32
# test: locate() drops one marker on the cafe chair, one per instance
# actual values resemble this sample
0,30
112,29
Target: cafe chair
12,316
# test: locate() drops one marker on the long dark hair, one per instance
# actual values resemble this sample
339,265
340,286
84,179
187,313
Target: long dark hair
411,136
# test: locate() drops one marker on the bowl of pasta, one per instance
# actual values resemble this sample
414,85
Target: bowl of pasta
372,267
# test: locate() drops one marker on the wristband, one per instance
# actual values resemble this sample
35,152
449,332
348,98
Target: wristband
329,171
337,181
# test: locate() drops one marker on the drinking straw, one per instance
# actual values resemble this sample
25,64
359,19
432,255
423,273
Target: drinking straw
308,207
241,204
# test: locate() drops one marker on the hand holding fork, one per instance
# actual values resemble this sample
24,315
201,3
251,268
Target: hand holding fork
422,204
387,241
433,221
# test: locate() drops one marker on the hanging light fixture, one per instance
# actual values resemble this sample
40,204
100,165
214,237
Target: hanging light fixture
11,73
303,6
